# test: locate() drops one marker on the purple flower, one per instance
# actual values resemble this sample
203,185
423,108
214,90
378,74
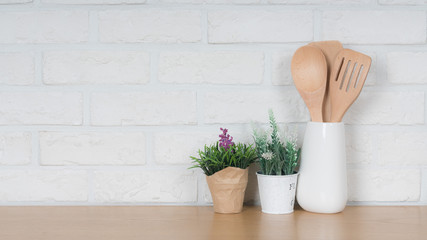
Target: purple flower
225,140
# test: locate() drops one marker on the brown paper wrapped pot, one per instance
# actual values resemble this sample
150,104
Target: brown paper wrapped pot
228,188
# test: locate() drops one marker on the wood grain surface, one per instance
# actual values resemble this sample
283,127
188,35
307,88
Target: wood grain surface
171,222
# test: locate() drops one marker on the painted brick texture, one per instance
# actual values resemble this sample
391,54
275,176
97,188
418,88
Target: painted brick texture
43,186
375,27
150,26
259,102
74,68
89,148
94,1
152,108
102,102
407,67
44,27
384,185
212,67
42,108
260,26
15,148
149,187
17,68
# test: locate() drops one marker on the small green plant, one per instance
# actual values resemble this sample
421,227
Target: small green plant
274,156
224,153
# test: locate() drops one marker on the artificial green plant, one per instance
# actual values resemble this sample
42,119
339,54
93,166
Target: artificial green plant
276,157
224,153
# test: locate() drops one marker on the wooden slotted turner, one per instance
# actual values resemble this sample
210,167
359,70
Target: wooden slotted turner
330,49
347,79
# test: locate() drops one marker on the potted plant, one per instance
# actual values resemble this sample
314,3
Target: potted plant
277,160
226,167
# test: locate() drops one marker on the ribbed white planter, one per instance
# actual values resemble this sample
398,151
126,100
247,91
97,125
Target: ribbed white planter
322,184
277,193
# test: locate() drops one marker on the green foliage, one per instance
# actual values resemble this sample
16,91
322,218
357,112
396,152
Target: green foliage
214,158
274,156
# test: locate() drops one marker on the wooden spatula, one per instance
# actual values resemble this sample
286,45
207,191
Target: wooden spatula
330,49
347,79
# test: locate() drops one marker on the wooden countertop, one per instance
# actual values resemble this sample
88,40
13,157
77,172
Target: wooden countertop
171,222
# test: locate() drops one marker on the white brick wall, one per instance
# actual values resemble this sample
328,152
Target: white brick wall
136,108
260,26
403,148
168,147
375,27
90,148
15,148
329,2
43,185
407,67
148,187
17,68
388,108
384,185
403,2
281,68
94,1
118,67
212,1
359,146
104,101
245,107
43,108
166,26
212,67
44,27
14,1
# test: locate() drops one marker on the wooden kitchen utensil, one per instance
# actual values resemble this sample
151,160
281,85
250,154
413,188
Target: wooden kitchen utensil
347,79
309,72
330,49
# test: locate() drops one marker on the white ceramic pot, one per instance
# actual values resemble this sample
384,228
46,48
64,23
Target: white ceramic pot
277,193
322,184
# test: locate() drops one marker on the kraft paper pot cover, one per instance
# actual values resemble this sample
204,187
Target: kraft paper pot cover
228,188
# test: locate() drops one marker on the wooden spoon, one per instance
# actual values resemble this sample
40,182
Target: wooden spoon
347,79
330,49
309,72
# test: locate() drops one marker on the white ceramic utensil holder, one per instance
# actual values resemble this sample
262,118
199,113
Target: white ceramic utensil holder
277,193
322,184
